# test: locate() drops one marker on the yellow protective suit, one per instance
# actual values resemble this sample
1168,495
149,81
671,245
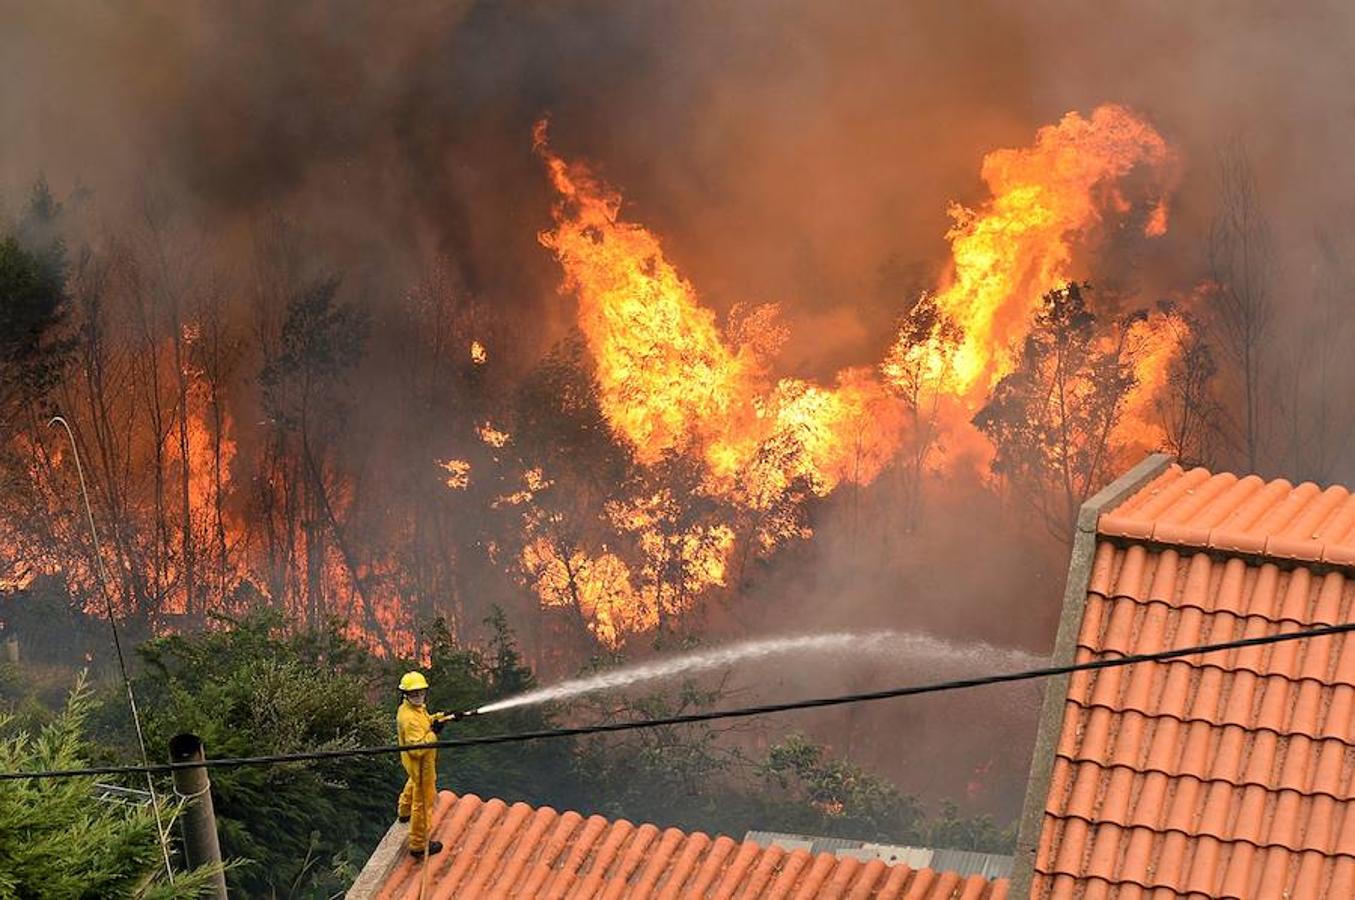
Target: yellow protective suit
413,725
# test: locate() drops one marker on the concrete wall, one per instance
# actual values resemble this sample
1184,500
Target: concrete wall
1065,648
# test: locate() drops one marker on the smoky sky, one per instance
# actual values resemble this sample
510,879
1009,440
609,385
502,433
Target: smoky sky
799,152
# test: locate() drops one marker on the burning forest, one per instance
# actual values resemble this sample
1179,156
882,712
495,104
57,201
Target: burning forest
512,312
716,459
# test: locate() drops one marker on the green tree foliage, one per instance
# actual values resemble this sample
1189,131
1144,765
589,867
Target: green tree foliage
810,792
57,840
684,776
250,688
949,828
301,830
816,794
467,678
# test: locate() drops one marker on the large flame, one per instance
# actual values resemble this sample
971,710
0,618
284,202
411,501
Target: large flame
670,379
1046,200
667,377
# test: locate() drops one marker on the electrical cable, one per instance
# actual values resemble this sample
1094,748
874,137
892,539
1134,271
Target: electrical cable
710,716
117,643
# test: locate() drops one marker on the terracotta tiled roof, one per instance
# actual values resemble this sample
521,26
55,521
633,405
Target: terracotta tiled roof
497,850
1227,775
1248,516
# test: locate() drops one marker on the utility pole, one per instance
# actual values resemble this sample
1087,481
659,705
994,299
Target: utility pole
201,845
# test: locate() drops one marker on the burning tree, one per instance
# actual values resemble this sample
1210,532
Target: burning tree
320,339
920,366
1186,406
1053,420
626,480
679,535
34,305
566,468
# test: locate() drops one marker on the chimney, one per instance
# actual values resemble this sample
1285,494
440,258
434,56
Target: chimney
201,846
12,649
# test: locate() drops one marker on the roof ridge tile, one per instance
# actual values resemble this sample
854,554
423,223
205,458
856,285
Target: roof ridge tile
583,850
706,873
867,878
658,861
467,857
523,850
1276,519
552,846
811,885
761,874
634,849
787,874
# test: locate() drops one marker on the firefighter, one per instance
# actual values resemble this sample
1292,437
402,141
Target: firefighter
414,725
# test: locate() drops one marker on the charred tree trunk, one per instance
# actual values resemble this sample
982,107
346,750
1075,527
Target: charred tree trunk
186,550
340,542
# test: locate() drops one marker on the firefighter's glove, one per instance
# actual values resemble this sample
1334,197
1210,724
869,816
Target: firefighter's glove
437,725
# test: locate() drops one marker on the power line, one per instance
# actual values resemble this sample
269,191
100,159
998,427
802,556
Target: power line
117,641
692,718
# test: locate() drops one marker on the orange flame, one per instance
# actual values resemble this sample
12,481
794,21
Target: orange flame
1154,343
671,381
458,473
1046,199
668,379
599,588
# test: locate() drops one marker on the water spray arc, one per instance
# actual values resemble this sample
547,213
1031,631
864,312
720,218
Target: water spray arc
903,645
117,640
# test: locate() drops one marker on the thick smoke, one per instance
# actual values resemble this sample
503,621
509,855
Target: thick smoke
797,152
786,151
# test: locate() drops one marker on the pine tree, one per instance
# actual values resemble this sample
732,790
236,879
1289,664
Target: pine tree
56,840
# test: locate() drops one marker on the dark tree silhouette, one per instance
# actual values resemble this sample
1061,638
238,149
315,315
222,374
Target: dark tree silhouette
1052,420
1241,263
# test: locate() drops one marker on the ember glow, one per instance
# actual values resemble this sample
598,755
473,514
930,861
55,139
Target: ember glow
458,473
1154,343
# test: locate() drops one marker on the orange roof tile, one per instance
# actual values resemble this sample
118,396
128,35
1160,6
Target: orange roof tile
1247,516
493,850
1221,776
